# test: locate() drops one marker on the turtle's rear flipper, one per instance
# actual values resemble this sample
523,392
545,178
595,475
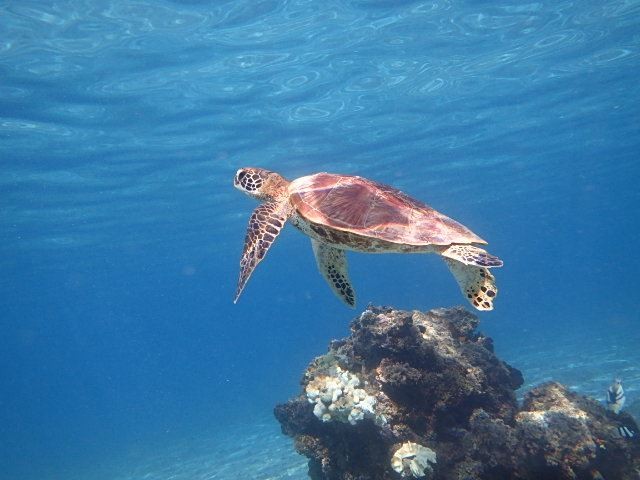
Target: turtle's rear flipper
332,263
264,226
477,283
470,255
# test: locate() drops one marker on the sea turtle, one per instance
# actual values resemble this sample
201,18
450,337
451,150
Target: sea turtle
344,212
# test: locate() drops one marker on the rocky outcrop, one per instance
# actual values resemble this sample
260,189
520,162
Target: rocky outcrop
422,395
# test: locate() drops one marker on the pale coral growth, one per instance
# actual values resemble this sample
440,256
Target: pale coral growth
338,397
413,459
562,405
536,417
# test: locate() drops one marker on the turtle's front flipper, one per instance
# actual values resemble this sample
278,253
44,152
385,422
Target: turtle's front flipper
264,226
476,283
470,255
332,263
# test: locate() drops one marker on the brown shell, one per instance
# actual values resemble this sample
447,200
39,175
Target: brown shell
371,209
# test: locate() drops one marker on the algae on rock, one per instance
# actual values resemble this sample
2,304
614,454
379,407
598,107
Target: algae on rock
406,387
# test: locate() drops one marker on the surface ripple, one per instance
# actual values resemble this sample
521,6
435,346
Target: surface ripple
192,91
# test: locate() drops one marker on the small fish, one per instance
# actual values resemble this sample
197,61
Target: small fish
626,432
615,396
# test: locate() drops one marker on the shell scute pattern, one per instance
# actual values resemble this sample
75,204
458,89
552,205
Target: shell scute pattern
370,209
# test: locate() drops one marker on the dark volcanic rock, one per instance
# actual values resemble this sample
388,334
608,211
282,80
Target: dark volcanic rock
422,395
563,431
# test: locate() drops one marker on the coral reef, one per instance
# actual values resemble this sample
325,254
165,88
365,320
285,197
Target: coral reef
407,388
336,396
413,460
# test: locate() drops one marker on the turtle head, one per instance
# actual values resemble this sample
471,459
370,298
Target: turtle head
260,183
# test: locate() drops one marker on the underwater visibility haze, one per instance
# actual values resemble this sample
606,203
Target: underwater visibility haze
122,125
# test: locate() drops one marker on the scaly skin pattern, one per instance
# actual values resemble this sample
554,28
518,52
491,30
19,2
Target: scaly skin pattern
265,224
358,243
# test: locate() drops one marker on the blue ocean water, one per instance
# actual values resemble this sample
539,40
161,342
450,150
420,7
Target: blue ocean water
123,123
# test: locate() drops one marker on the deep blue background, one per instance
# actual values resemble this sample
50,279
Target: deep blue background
122,124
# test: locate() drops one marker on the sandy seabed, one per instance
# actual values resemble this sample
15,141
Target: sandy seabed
584,361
